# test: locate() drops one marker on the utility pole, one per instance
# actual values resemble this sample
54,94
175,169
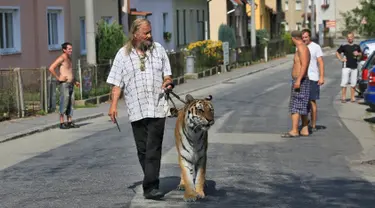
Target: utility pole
253,32
90,32
312,21
306,11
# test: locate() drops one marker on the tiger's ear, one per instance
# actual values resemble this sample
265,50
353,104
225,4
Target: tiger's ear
208,97
189,98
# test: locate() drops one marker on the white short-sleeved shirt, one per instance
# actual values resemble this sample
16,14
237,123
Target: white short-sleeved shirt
141,88
315,53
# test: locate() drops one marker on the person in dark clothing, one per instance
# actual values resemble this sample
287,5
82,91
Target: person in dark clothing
351,53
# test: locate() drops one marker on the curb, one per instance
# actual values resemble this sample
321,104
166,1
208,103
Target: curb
46,127
233,78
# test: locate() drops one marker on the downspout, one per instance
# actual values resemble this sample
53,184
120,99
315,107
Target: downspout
119,7
208,19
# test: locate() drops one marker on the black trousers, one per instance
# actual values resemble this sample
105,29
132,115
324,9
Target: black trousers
148,136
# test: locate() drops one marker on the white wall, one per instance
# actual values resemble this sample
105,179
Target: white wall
157,8
325,14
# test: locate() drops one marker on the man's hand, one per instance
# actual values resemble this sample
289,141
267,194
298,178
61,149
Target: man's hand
113,112
356,53
297,84
63,78
167,83
321,81
343,60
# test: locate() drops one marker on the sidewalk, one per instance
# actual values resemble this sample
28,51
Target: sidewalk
17,128
361,122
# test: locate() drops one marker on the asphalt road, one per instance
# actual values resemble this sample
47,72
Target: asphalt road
249,164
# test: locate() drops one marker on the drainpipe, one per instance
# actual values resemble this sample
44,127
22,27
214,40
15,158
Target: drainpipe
119,8
208,19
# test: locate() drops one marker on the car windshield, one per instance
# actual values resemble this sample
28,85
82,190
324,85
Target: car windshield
370,61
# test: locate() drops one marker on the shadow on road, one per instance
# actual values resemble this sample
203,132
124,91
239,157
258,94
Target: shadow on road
169,184
287,190
370,120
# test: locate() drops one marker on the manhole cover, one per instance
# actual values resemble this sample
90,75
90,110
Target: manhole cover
368,162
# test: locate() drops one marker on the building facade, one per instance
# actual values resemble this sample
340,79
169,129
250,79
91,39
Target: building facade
33,32
103,10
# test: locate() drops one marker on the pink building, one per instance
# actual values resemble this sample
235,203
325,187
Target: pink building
32,32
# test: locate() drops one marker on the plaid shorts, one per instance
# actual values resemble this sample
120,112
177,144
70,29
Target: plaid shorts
299,100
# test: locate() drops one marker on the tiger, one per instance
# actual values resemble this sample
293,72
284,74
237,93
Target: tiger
191,132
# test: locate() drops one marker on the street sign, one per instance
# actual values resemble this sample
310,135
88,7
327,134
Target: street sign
226,53
330,23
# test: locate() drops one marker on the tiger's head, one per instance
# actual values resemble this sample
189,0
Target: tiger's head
199,112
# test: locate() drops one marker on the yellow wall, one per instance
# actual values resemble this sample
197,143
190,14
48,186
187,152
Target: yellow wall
262,18
218,16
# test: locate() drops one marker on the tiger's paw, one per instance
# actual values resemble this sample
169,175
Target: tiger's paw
181,187
200,195
190,197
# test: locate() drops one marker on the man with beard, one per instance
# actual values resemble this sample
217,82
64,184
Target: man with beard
141,69
349,70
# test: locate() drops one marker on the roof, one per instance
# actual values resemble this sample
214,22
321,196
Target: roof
139,13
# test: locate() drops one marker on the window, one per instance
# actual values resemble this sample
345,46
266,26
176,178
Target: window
325,2
10,39
82,25
184,24
108,20
165,15
298,26
55,21
298,4
286,6
178,27
286,26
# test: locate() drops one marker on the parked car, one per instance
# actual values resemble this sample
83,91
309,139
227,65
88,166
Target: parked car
363,73
369,95
367,48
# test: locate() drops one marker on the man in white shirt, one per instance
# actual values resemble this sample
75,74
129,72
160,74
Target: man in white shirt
141,69
315,73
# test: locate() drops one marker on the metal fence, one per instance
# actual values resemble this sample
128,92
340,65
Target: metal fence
93,80
22,92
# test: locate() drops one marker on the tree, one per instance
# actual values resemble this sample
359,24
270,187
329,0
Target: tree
109,39
353,19
227,34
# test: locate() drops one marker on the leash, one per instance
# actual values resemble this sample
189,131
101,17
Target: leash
167,93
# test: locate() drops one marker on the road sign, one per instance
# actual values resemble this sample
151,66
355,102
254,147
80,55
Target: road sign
330,23
226,53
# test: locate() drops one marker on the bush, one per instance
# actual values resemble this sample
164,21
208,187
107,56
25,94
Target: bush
109,39
227,34
290,48
262,37
208,53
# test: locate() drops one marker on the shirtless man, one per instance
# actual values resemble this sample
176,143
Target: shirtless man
300,94
67,81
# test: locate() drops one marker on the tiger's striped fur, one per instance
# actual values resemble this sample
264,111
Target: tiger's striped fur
191,133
